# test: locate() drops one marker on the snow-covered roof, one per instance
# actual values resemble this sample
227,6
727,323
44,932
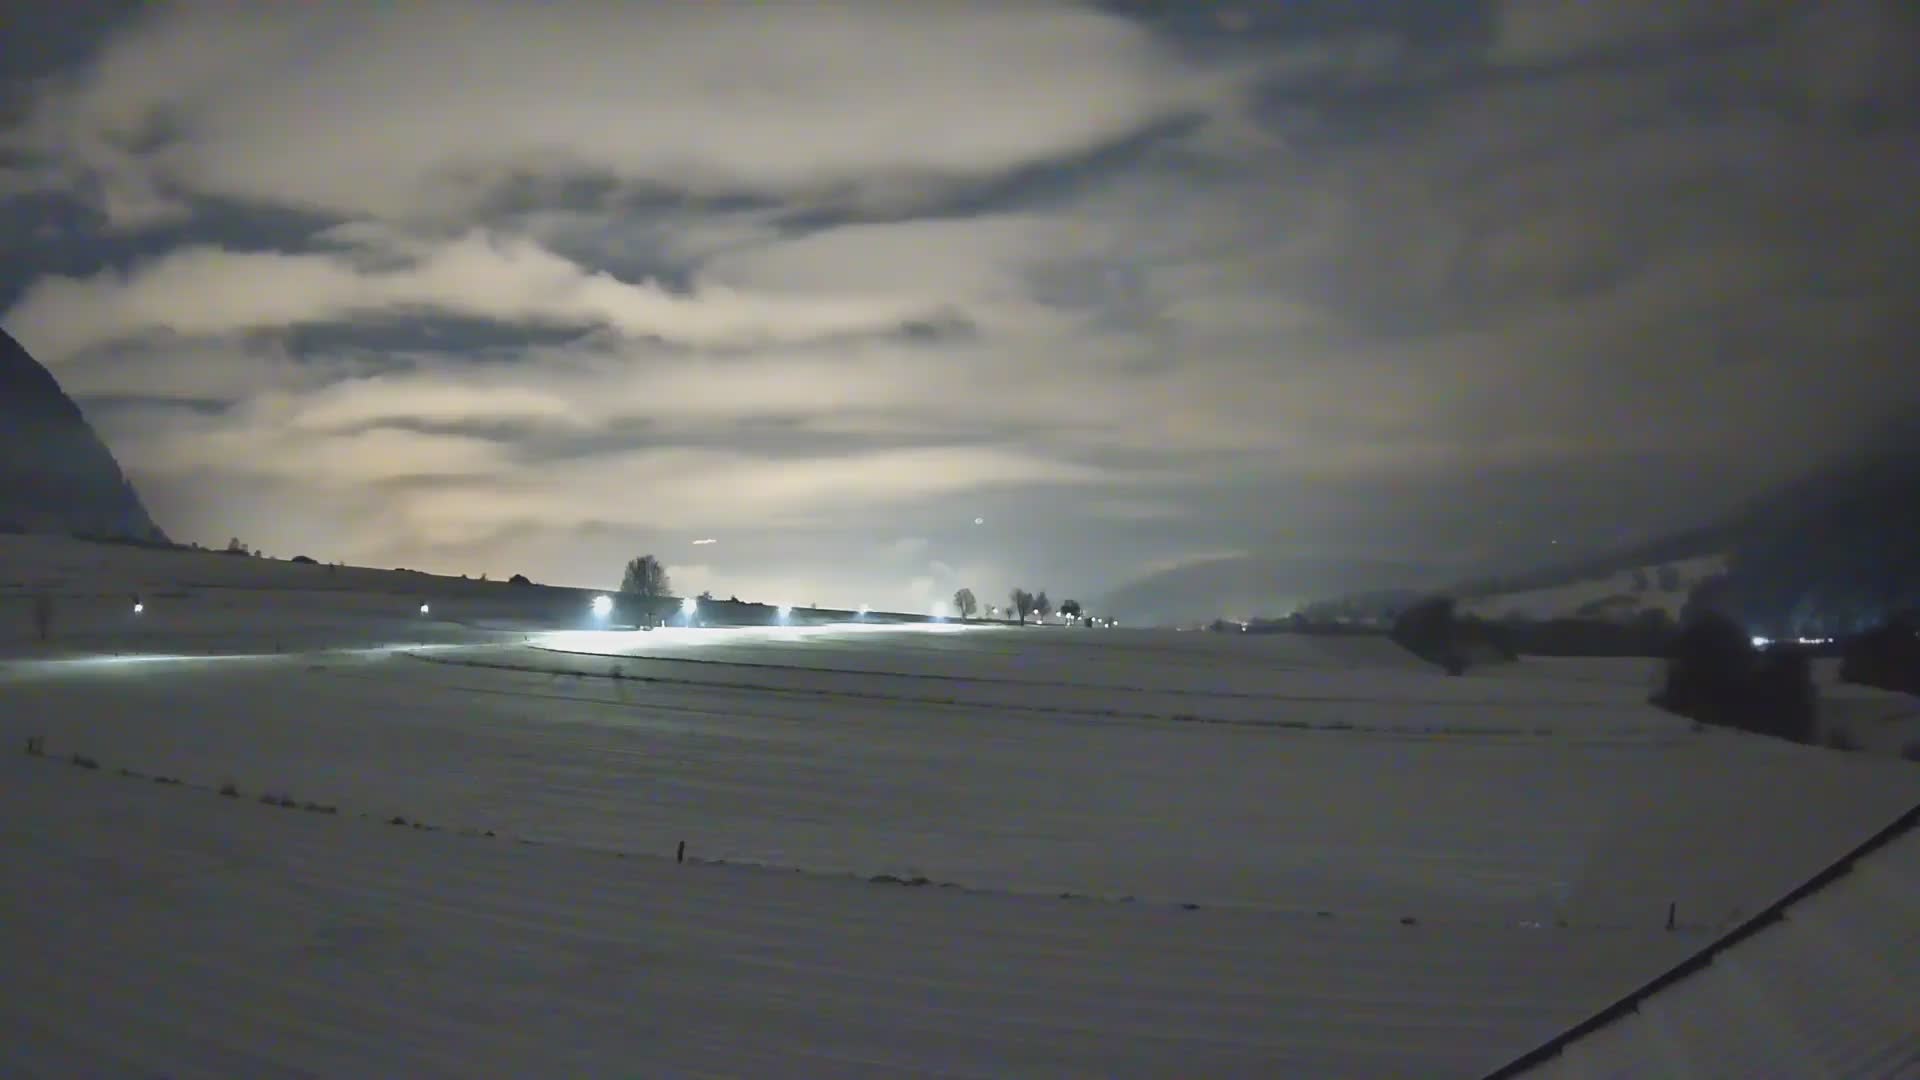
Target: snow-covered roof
1825,983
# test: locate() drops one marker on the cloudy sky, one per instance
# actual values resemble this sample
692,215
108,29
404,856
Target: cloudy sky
889,298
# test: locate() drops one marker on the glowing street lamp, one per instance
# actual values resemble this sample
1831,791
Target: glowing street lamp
426,609
602,606
786,610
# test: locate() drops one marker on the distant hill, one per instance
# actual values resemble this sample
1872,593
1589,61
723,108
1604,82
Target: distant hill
1615,595
1833,551
1244,587
56,476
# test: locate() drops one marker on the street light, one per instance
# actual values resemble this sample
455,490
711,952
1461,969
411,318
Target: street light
603,606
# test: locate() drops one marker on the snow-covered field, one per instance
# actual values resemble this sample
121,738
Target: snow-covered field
1144,853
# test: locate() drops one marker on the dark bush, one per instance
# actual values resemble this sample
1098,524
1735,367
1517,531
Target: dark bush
1887,657
1708,669
518,579
1780,699
1715,676
304,560
1426,630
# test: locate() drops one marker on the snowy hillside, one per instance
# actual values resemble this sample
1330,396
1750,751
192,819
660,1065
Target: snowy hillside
1618,596
1138,853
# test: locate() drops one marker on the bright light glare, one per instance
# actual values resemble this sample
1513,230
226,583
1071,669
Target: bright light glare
1760,642
786,610
138,608
424,609
864,609
690,605
940,609
603,606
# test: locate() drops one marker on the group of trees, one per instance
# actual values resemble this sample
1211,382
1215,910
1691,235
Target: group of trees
646,577
1435,632
1020,603
1715,675
1024,603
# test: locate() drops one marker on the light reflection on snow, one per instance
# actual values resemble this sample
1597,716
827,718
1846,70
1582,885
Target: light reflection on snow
110,661
683,636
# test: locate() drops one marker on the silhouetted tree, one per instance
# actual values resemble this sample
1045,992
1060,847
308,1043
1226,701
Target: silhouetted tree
646,577
1021,601
1070,609
1716,676
235,547
1041,605
1426,630
965,603
1780,698
1708,671
1887,656
521,579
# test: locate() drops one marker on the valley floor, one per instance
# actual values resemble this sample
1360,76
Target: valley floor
1140,854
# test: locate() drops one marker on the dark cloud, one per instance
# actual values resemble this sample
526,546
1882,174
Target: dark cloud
1141,286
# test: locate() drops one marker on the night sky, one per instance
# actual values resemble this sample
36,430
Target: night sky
1419,286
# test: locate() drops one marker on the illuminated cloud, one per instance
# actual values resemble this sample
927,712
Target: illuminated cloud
485,287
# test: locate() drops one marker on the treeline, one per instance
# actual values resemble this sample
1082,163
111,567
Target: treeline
1716,675
1716,672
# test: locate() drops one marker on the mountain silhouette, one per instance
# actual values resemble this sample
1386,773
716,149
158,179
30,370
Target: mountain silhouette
56,476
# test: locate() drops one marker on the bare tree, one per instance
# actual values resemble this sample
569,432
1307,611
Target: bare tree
1071,609
1022,603
646,577
1041,605
965,603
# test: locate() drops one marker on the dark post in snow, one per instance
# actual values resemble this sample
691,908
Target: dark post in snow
680,853
1671,905
43,615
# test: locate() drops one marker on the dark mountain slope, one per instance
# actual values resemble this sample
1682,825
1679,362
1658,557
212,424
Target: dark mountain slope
55,473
